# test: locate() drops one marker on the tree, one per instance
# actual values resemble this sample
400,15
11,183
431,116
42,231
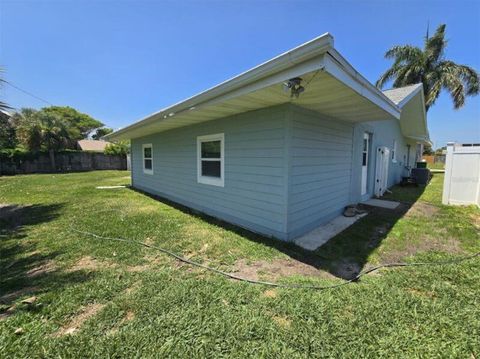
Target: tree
427,150
100,132
8,138
413,65
38,130
75,120
119,148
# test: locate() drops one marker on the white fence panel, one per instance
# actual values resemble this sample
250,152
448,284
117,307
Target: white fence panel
462,175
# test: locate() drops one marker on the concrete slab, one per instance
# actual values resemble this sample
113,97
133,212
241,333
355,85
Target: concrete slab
110,187
321,235
381,203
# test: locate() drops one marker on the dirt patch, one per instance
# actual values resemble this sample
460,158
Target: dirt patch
345,268
425,243
138,269
44,268
422,209
270,293
130,315
421,293
132,288
275,269
282,322
476,220
8,312
75,324
90,264
12,296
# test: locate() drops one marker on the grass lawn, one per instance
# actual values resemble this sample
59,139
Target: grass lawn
97,298
436,166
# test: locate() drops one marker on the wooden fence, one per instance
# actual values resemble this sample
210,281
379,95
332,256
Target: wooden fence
64,162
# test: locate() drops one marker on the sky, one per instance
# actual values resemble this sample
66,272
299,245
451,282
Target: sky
119,61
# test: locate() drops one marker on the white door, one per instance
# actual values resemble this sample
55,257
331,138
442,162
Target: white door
365,149
381,170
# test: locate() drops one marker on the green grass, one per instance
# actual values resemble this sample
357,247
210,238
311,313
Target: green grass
147,305
436,166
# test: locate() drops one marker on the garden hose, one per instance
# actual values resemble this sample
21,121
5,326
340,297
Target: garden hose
278,285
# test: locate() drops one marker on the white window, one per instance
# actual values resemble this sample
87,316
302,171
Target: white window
394,151
147,158
210,160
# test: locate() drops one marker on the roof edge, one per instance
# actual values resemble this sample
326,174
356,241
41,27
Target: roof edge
301,53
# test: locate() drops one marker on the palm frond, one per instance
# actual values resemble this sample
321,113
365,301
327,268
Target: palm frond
454,85
471,79
432,88
404,53
387,76
435,45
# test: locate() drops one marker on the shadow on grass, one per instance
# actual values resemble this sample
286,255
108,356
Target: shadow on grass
343,256
25,269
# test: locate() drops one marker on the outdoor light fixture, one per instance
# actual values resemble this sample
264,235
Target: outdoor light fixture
293,85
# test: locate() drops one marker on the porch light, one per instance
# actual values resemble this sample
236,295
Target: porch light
293,85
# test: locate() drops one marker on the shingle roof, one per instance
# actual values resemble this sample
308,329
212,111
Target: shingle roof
399,94
92,145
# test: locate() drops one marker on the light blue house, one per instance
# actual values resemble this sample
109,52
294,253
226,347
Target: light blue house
281,148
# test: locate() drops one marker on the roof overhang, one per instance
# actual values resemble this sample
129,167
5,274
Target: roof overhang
413,118
332,87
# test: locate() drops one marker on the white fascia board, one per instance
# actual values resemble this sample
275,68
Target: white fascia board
424,140
338,67
298,55
424,111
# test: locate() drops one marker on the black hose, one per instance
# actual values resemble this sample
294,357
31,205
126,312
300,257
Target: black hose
279,285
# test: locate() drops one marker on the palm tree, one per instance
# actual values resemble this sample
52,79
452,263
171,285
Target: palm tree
413,65
38,130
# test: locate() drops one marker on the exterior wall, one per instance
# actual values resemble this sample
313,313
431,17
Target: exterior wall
320,169
383,133
254,194
287,169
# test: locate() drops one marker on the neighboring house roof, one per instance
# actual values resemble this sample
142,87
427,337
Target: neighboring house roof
332,87
413,119
92,145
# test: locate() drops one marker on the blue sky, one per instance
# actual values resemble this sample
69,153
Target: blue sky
120,61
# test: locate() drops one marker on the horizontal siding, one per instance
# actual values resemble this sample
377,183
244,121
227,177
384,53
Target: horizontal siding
320,169
254,195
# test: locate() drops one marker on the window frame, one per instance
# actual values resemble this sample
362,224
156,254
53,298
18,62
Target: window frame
213,181
147,171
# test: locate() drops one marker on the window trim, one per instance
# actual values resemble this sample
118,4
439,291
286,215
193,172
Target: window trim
146,170
213,181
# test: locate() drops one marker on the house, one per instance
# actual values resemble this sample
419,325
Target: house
92,145
282,148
